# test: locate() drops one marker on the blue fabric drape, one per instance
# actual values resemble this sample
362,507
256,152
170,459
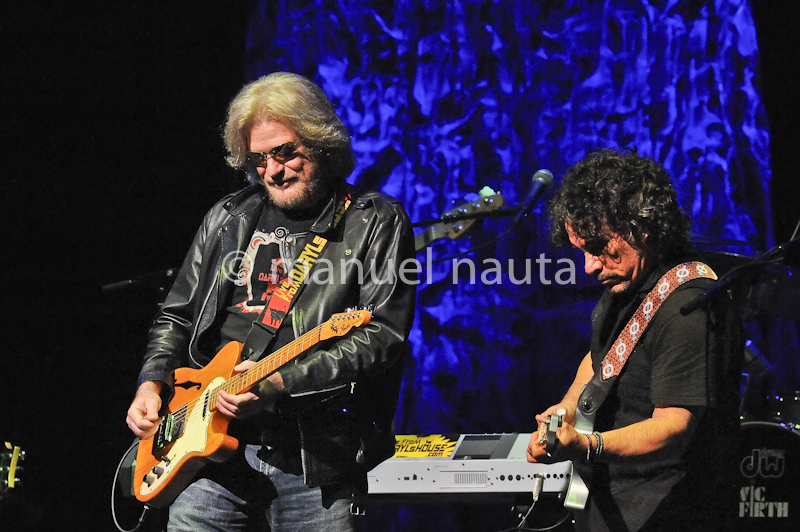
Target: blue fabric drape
443,98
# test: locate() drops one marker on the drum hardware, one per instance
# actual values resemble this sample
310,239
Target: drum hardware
756,382
766,285
784,409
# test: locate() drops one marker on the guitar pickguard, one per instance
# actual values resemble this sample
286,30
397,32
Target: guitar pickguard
190,442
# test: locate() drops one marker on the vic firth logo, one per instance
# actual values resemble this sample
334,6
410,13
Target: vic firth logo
767,463
753,503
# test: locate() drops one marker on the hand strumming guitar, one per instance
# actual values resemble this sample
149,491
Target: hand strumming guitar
143,414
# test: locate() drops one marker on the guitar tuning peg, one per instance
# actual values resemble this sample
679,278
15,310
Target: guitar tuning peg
486,192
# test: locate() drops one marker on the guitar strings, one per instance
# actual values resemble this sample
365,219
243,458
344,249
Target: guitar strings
269,364
277,355
179,417
274,361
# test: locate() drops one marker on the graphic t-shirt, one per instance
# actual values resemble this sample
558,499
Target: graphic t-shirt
264,265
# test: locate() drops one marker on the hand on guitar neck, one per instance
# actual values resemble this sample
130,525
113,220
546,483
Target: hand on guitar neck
249,403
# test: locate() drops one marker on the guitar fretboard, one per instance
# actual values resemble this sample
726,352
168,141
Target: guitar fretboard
244,381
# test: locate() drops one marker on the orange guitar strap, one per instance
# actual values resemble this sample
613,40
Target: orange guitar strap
269,321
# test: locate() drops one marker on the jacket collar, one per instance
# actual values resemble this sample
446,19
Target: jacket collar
246,200
324,222
255,196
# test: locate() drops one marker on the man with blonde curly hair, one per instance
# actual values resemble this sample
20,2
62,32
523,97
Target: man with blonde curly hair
308,433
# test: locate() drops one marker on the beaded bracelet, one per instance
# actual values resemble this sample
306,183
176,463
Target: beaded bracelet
599,444
589,450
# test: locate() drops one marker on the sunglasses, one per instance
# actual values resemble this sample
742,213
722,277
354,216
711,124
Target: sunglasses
596,245
281,154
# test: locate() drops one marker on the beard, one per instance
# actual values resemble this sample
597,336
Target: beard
622,288
296,195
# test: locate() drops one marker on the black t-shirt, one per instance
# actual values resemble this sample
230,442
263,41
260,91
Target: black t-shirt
687,361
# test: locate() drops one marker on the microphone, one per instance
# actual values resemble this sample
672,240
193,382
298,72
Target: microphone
542,180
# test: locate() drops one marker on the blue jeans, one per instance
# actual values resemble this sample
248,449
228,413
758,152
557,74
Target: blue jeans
248,494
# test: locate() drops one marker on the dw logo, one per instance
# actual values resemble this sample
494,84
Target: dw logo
767,463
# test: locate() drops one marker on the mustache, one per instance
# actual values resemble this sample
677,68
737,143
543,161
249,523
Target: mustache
278,179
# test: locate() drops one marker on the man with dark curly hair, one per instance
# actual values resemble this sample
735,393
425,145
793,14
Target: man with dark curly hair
651,417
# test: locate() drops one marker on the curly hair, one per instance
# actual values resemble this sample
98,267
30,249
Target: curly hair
301,106
619,192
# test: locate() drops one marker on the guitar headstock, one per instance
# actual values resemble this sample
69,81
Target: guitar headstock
548,429
456,229
340,324
10,466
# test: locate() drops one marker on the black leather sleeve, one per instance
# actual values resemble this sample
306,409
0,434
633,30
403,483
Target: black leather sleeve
378,235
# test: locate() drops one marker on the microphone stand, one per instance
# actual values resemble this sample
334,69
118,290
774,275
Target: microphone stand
147,280
776,254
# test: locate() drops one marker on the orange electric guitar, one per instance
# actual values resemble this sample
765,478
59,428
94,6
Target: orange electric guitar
193,432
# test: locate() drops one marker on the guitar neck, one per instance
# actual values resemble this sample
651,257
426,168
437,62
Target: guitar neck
265,367
456,222
429,236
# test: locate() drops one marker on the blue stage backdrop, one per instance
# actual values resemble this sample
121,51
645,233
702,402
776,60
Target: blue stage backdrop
445,97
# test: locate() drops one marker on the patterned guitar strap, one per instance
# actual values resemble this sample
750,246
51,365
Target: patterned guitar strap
596,390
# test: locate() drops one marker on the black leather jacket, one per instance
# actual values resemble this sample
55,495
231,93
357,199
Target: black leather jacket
364,367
